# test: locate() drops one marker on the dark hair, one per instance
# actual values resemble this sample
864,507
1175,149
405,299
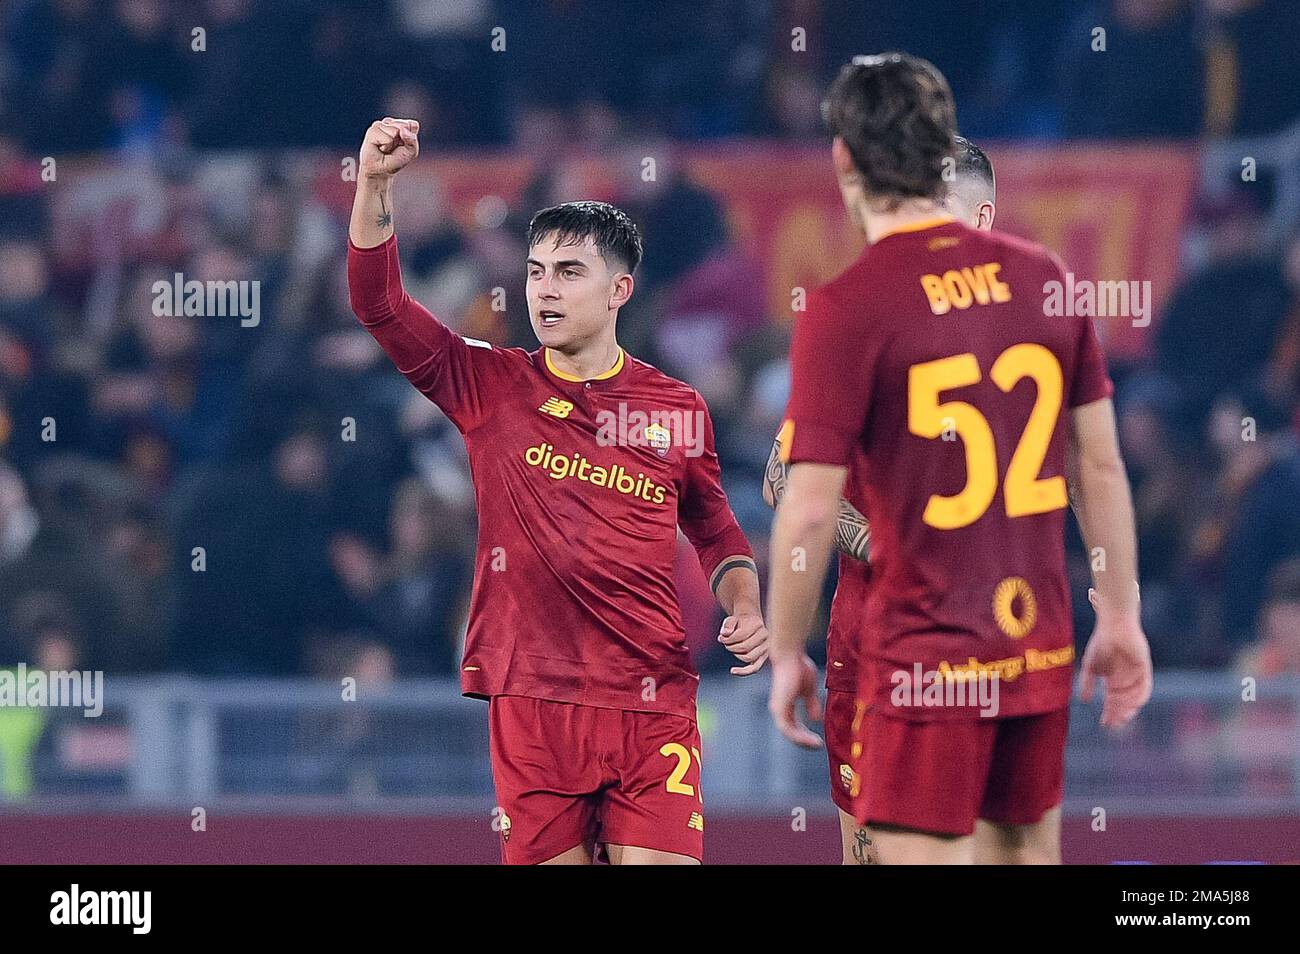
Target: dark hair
896,115
615,235
972,162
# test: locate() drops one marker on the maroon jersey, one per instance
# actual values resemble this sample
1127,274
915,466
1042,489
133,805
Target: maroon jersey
933,356
581,486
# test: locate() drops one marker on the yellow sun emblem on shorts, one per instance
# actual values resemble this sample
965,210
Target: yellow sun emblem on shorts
1010,590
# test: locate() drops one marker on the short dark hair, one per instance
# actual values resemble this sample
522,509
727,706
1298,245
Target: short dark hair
897,117
614,234
972,162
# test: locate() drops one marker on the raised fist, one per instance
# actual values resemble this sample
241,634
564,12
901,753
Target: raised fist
389,145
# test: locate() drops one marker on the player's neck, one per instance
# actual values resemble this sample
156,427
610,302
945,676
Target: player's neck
590,361
907,216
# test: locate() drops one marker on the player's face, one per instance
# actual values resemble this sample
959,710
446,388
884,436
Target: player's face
573,294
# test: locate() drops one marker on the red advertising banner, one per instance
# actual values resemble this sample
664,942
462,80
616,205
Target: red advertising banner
1113,213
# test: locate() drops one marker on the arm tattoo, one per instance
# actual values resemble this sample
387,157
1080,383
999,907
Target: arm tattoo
385,220
775,476
852,534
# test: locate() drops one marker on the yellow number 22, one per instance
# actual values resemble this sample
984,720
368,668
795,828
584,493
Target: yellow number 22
1024,491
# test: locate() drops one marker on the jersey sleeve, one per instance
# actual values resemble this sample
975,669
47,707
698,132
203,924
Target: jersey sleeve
831,367
460,375
1091,381
704,514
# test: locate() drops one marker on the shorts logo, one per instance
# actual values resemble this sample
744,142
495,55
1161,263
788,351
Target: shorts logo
696,821
659,437
846,777
556,408
505,827
1014,608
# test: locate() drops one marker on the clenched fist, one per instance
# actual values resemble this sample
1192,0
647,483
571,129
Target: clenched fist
389,145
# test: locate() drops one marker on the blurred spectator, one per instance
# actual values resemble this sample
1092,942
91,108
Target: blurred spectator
1277,651
1109,93
411,596
1223,322
1265,530
1253,82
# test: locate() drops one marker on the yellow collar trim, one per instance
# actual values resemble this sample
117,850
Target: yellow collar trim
919,226
550,365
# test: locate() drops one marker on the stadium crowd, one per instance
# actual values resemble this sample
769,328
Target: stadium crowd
182,494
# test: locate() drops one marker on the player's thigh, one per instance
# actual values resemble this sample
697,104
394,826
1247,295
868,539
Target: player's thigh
632,855
898,846
856,842
656,806
1020,815
1038,843
546,776
577,855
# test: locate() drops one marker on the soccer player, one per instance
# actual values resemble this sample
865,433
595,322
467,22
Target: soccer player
932,366
585,463
972,198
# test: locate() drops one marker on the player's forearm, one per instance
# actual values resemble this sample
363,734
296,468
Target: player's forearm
372,211
1104,509
802,538
1074,493
737,589
852,535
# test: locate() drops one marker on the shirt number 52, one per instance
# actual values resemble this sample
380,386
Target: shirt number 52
1024,492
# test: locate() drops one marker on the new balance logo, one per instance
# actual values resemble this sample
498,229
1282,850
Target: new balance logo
696,821
556,408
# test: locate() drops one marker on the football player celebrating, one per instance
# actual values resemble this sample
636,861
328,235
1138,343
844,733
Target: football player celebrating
585,463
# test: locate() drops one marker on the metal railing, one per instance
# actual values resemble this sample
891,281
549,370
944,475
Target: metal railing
1203,744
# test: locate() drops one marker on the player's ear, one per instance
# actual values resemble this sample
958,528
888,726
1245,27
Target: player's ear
621,290
984,216
841,158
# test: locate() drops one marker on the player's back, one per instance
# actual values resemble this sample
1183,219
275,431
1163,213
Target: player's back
960,384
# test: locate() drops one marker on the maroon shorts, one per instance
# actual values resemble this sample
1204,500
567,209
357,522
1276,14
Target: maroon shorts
940,776
570,775
842,710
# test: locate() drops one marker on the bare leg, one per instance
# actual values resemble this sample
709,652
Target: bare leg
631,855
898,846
577,855
859,849
1036,844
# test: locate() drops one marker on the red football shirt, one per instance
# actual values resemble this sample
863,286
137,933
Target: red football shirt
932,355
581,486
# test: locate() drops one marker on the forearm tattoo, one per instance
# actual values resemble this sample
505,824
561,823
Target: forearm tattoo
776,472
852,533
386,219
